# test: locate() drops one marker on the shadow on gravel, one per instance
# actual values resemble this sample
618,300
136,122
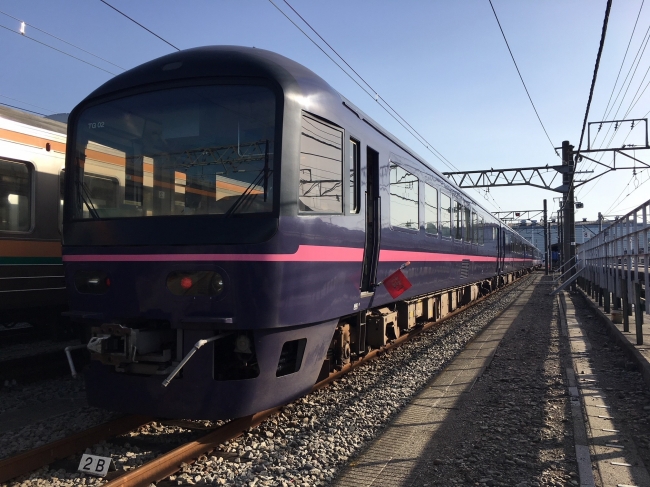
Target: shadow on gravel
513,427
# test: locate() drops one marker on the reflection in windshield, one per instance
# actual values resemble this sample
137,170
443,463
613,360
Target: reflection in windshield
187,151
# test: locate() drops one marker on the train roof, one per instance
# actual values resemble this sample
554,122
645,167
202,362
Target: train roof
209,61
32,120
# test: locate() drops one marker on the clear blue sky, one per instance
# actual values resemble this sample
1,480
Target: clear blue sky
442,64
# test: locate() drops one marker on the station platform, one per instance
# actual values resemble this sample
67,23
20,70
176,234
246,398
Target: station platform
518,407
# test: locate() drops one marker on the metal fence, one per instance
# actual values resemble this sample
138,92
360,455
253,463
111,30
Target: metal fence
614,266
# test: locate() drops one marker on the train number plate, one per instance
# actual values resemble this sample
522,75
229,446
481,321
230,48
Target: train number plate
94,465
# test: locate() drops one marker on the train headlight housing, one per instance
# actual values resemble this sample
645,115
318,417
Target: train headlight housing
196,283
92,282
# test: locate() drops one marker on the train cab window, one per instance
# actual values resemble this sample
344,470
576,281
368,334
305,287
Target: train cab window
445,215
430,210
458,220
184,151
354,176
467,220
404,199
321,167
15,196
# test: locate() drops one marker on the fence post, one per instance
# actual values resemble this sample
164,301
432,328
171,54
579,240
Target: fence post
626,305
638,313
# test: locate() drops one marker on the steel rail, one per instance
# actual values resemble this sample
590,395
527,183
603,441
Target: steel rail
28,461
168,463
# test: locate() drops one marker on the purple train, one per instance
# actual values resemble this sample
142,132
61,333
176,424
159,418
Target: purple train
227,218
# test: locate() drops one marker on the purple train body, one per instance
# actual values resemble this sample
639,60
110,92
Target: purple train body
230,195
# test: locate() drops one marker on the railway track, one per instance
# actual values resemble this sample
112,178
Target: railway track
170,462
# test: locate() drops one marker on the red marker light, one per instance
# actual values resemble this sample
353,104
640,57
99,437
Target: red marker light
186,283
108,282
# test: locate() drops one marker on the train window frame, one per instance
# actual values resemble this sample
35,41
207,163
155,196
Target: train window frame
31,170
353,168
436,212
450,211
481,232
392,163
342,198
70,213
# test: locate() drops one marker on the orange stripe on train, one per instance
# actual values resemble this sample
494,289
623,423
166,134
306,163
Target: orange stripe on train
30,248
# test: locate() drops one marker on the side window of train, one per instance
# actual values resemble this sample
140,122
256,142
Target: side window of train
354,176
430,210
445,215
458,220
481,231
15,196
404,198
467,217
321,167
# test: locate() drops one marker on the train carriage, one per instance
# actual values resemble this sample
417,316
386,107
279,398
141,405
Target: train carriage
253,212
32,151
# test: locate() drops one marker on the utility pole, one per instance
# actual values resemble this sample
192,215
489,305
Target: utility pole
600,222
545,240
569,239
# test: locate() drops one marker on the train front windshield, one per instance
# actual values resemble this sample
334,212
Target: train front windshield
200,150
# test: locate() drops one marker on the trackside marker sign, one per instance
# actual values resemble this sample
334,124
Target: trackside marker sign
94,465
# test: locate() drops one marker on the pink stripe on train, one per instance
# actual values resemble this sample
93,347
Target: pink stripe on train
305,253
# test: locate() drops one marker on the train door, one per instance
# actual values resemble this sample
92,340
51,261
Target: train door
501,251
373,222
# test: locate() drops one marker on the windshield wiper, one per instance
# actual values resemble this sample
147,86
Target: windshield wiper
264,174
245,196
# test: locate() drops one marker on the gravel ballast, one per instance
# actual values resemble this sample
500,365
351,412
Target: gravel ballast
313,438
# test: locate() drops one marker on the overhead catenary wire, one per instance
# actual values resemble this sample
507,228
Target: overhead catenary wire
25,103
593,79
377,95
23,109
58,50
62,40
370,91
522,78
620,69
138,23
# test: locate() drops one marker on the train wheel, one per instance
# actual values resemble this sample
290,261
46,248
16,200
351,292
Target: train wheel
343,345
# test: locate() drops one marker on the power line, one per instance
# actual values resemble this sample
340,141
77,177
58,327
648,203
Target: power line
25,103
64,41
593,79
138,23
623,62
521,77
401,120
58,50
377,95
23,109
